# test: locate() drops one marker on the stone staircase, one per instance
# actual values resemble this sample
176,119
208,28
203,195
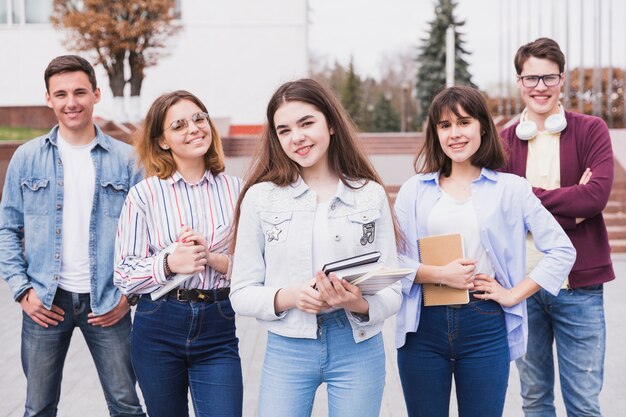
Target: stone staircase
615,211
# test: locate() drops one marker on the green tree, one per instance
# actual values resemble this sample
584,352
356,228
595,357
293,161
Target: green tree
120,34
431,75
351,94
385,118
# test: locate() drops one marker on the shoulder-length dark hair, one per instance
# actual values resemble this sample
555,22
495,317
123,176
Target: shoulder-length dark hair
490,154
346,156
160,162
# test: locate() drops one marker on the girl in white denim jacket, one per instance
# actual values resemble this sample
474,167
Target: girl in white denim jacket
313,197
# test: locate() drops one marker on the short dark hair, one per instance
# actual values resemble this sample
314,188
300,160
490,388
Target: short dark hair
544,48
69,63
490,154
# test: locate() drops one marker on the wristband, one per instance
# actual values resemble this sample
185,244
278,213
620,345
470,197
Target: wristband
166,265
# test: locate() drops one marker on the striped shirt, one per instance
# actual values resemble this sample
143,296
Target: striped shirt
153,215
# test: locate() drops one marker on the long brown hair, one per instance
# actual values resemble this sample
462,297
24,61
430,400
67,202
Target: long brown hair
160,162
490,154
346,156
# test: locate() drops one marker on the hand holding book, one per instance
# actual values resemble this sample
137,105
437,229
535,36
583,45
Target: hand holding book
366,272
340,293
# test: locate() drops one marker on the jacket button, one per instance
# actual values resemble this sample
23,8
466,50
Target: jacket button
365,217
333,206
58,231
337,238
59,205
57,256
60,183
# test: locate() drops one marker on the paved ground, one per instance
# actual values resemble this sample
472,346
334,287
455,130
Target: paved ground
82,397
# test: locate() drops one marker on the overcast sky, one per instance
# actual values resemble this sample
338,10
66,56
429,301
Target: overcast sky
369,30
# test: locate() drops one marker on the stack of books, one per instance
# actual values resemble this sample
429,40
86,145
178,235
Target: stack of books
366,272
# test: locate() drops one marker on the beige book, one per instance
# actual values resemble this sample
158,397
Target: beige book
440,250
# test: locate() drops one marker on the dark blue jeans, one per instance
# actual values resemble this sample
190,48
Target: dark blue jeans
44,351
469,342
178,346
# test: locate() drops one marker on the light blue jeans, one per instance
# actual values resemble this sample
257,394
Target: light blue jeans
575,320
44,351
294,369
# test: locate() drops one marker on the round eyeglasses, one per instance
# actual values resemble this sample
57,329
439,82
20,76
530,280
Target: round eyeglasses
201,120
532,81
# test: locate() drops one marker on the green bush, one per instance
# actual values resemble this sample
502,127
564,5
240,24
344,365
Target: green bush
20,133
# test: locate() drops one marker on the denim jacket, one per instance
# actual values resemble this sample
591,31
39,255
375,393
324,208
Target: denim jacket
31,215
274,250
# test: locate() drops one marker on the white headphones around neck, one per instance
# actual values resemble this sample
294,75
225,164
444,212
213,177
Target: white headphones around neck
527,129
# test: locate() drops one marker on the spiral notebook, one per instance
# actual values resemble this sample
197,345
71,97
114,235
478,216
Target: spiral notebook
440,250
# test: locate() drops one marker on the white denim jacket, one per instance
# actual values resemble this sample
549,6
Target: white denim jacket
274,250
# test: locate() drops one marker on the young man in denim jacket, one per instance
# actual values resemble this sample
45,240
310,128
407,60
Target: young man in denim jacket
567,158
58,218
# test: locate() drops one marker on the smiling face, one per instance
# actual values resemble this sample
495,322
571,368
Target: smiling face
72,98
187,145
304,134
459,136
541,101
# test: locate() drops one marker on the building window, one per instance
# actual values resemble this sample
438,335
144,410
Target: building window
20,12
176,10
3,12
37,11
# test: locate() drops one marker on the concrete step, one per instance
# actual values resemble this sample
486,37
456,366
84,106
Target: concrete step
618,245
614,206
616,232
615,219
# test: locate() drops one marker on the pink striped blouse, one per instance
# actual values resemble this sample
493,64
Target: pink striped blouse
152,218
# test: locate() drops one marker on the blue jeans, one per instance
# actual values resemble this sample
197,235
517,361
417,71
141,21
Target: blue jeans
44,351
294,368
575,320
178,346
469,342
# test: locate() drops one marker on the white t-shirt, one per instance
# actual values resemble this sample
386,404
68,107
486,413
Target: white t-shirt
452,216
543,170
79,180
322,242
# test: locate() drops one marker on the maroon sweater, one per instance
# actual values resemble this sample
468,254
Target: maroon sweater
585,143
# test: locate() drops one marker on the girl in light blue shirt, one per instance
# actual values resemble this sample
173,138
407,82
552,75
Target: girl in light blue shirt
457,190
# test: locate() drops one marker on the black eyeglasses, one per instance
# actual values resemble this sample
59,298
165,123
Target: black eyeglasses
532,81
201,120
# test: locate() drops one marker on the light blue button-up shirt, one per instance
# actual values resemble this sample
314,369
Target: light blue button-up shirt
32,211
506,209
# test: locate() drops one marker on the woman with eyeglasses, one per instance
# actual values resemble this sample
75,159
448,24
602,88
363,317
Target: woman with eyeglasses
176,223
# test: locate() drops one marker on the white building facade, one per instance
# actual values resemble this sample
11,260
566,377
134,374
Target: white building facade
231,53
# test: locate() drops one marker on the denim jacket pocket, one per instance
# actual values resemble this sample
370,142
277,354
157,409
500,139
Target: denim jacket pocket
275,226
36,195
113,196
363,226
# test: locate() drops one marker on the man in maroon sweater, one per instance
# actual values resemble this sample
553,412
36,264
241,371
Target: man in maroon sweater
567,158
